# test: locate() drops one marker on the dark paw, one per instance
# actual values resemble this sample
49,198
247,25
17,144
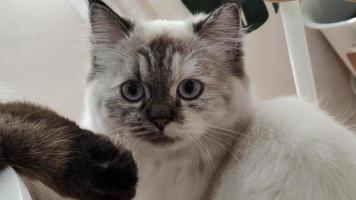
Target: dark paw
115,170
103,171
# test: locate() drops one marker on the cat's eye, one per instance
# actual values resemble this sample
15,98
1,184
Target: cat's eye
132,91
190,89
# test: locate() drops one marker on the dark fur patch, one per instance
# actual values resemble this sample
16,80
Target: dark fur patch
40,144
159,56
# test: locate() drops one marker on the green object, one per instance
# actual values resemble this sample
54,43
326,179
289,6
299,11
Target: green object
276,7
198,6
254,11
256,14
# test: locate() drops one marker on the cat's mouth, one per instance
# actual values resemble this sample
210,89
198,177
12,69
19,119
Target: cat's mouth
158,139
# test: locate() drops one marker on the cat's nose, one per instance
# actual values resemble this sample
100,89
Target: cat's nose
161,123
161,114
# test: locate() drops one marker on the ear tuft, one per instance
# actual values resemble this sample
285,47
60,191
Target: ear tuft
107,26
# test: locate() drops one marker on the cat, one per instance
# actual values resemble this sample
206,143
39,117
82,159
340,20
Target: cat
176,94
161,87
75,163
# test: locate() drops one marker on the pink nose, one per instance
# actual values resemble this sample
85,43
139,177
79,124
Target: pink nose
161,123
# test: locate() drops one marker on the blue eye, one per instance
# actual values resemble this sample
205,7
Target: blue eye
132,91
190,89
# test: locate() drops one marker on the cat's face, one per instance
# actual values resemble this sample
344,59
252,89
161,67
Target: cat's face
167,83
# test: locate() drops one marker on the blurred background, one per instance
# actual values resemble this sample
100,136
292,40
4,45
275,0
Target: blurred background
44,55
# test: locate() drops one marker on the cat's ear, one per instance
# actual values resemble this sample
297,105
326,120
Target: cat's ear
222,26
223,29
106,25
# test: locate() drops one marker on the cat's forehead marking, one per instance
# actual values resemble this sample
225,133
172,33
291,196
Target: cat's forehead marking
156,59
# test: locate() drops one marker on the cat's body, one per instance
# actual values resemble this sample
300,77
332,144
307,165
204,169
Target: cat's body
292,151
175,93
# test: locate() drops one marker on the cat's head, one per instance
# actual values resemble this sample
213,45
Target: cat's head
163,84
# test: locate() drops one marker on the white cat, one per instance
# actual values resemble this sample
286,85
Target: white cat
175,93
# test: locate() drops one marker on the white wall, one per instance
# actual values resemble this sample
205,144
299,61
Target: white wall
267,60
43,52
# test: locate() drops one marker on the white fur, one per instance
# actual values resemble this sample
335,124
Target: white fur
293,151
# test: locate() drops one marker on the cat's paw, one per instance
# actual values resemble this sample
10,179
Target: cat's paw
102,170
114,170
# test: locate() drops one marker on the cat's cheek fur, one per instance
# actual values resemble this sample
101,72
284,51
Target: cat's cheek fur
193,125
235,111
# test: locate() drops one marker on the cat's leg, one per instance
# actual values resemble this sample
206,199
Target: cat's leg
294,151
74,162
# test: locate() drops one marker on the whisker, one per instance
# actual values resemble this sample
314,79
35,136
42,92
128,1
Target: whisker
232,145
241,136
233,154
229,135
209,158
206,155
227,130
